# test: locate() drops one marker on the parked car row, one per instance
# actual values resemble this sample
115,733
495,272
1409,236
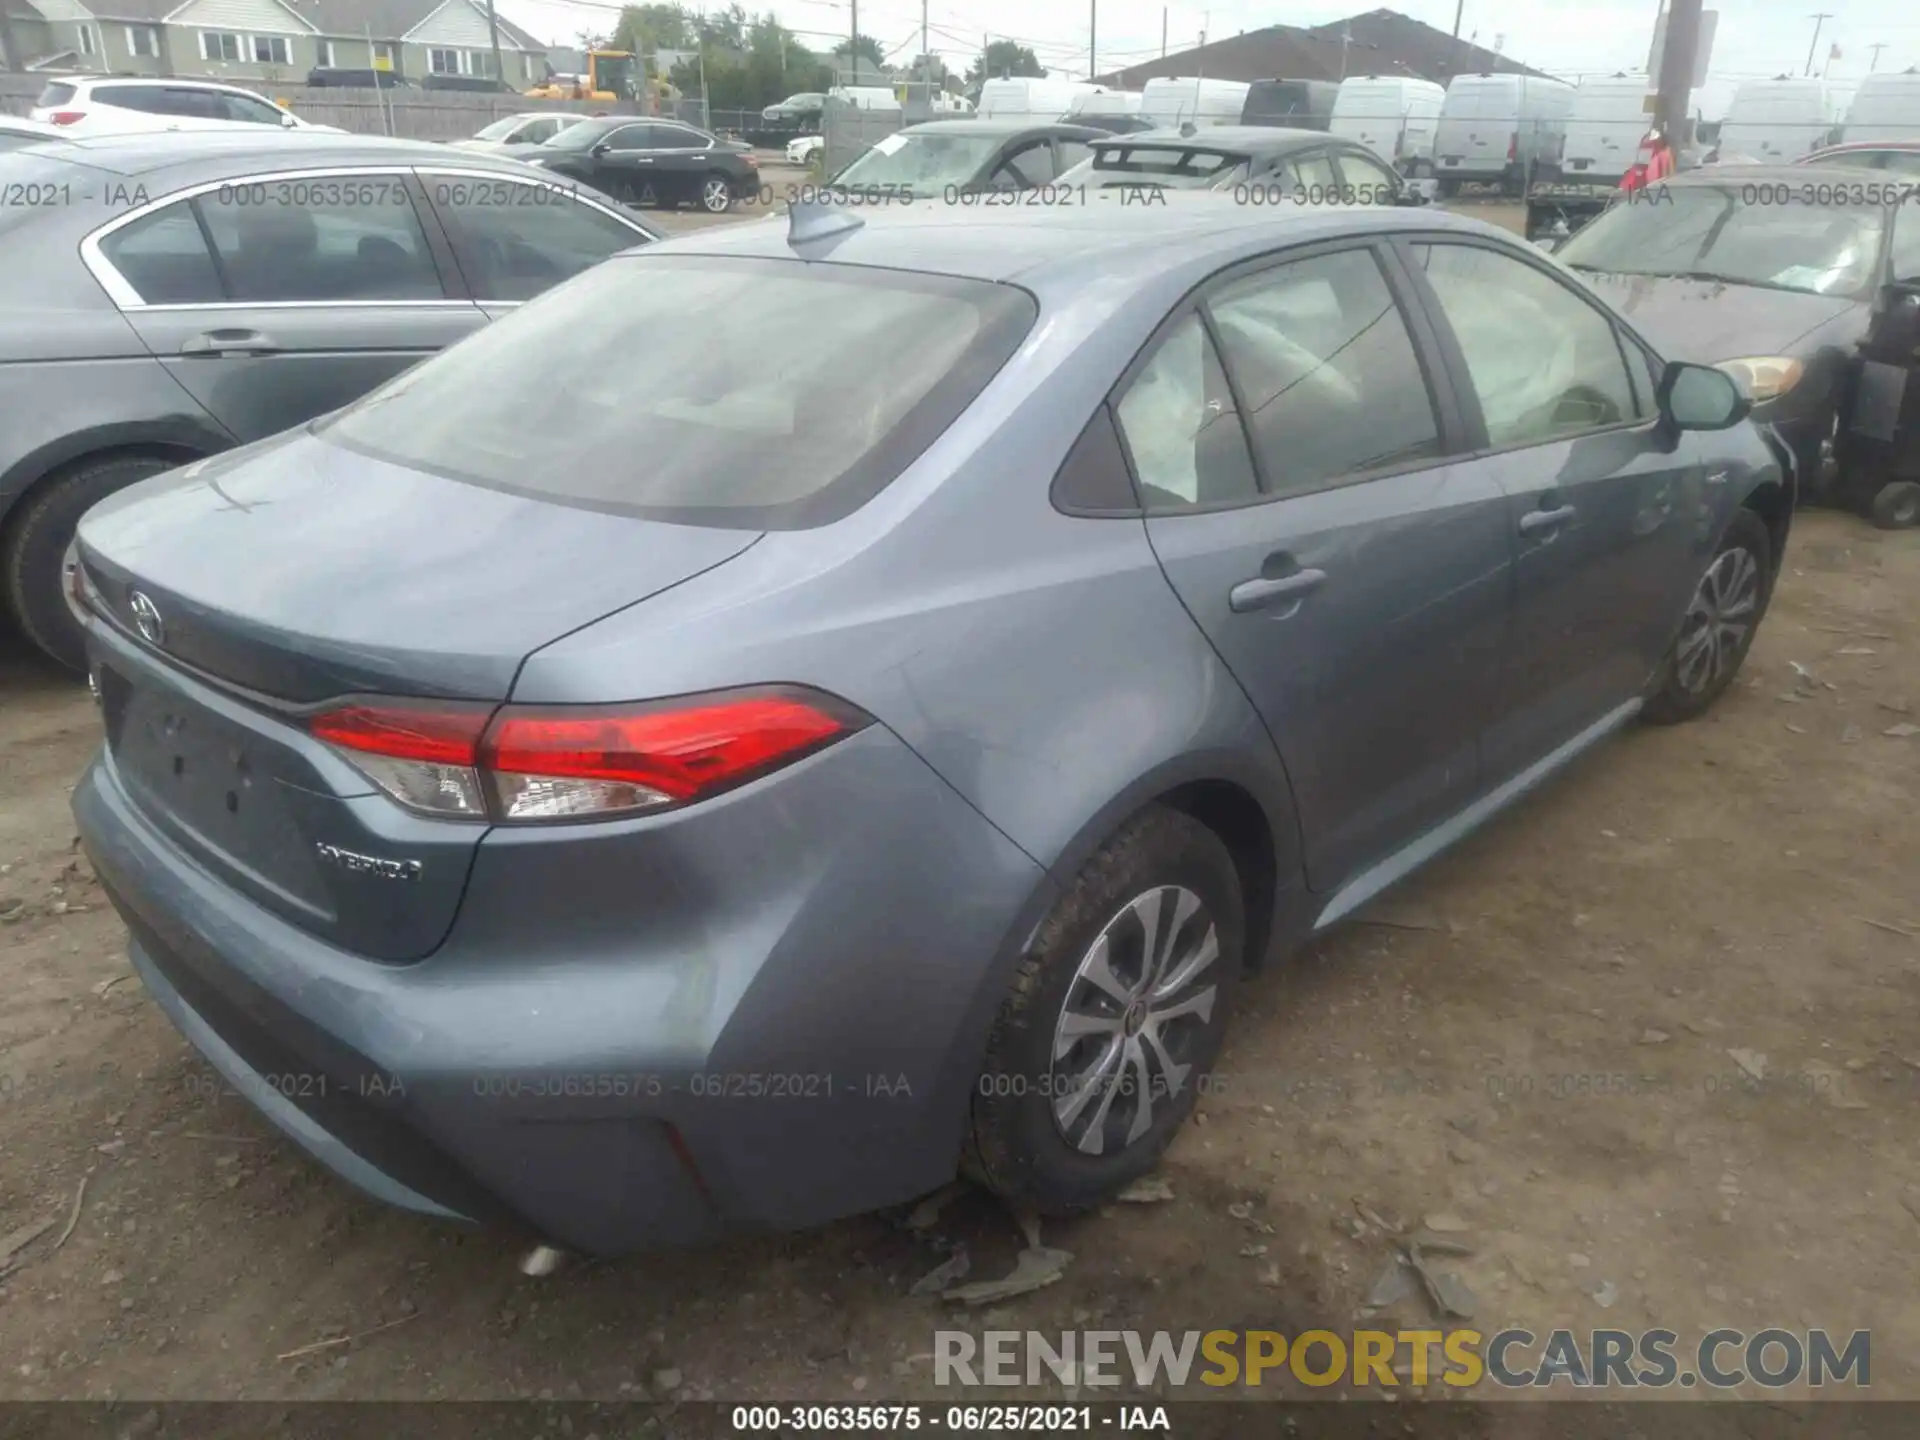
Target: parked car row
740,783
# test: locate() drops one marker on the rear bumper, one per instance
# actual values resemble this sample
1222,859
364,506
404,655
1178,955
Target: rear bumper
772,1018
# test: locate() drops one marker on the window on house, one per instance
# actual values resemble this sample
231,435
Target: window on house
480,62
89,42
443,62
219,45
272,50
323,50
142,40
384,51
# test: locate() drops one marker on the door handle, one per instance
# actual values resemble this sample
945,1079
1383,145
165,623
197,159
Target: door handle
228,342
1535,521
1255,594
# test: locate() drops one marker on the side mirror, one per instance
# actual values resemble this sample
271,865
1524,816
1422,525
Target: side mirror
600,148
1699,397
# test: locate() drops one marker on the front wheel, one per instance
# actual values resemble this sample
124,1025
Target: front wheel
1897,506
716,194
1721,620
1114,1020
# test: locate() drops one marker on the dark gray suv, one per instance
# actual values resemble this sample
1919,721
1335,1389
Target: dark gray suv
168,296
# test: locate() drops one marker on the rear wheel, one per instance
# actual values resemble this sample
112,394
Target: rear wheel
36,544
716,194
1897,506
1114,1021
1718,628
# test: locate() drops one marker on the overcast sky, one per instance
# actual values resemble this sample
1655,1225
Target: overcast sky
1755,38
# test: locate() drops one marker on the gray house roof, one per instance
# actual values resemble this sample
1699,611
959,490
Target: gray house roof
392,19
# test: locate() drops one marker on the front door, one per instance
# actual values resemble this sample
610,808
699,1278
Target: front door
626,166
1350,572
1605,502
315,289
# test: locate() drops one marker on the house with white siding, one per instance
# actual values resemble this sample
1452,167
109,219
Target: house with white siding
269,40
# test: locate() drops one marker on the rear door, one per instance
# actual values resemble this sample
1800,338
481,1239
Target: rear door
682,157
1603,501
276,298
1349,570
1478,130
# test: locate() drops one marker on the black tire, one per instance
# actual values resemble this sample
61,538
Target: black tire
36,542
1681,692
1015,1147
1897,506
1448,189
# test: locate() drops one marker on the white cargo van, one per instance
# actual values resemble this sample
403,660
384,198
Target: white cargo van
866,97
1029,99
1777,120
1104,103
1392,116
1499,128
1608,121
1174,100
1885,107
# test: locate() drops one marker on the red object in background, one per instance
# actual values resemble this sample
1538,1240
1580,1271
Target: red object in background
1654,164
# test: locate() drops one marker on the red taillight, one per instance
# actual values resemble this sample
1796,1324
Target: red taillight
67,117
579,762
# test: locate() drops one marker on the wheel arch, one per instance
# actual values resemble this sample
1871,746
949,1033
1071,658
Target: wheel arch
183,439
1773,503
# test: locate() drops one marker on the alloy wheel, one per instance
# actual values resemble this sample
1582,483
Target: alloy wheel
716,195
1137,1007
1719,619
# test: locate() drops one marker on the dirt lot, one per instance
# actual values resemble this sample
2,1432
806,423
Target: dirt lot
1552,1038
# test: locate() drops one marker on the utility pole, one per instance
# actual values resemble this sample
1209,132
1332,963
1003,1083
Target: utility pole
853,52
1675,80
926,64
1163,32
1874,64
10,59
1093,20
1818,21
1459,10
493,33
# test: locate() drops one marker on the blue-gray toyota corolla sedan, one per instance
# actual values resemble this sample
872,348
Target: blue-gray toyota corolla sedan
803,710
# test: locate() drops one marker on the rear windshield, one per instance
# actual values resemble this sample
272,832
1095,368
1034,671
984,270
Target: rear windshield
55,94
1177,167
758,394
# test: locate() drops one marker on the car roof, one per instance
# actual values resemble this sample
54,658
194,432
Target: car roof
189,155
97,82
1044,246
997,126
1243,139
1845,145
1738,174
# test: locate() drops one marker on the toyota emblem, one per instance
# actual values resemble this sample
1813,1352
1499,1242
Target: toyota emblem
146,618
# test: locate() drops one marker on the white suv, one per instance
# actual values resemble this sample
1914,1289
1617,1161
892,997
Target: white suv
83,106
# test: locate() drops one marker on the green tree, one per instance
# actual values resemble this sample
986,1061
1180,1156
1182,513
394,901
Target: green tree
646,28
1003,58
866,48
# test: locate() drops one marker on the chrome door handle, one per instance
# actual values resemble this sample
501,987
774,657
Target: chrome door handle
1534,521
1254,594
229,342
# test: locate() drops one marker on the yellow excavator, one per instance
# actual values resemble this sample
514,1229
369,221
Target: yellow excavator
610,75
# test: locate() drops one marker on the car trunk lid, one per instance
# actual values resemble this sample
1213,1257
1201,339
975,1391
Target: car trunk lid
240,602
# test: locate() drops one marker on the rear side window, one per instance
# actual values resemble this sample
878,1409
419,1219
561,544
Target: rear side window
55,94
147,99
809,388
1182,428
514,239
1329,375
319,240
164,257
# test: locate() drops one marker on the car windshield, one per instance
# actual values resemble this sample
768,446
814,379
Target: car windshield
924,162
1177,167
590,396
1710,233
500,129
